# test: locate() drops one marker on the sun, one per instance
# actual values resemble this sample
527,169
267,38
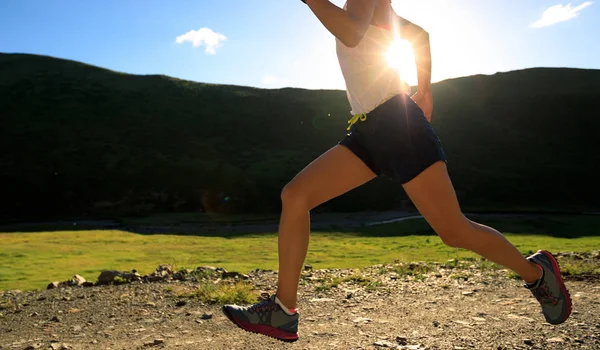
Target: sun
400,57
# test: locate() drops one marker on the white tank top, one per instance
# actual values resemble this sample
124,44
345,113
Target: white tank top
370,80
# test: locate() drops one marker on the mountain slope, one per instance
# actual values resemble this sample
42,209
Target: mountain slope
82,140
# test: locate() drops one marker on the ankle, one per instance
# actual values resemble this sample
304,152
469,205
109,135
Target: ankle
536,275
287,310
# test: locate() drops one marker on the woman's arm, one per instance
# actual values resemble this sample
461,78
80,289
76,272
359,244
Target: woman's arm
419,39
349,25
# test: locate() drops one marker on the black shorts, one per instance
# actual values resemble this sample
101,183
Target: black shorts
396,140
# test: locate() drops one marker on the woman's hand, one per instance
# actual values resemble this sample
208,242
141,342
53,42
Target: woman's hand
424,100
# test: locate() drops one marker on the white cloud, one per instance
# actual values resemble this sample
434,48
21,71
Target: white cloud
203,36
559,13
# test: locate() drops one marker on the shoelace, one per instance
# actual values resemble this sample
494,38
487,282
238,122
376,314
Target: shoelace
543,294
264,305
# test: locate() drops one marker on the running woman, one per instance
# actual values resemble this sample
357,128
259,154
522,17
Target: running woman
390,135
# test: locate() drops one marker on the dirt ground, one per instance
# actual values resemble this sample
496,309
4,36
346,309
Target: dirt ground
445,308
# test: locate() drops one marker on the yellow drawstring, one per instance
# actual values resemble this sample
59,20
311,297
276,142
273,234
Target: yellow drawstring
362,117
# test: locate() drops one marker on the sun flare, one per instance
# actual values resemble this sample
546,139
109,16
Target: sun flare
400,57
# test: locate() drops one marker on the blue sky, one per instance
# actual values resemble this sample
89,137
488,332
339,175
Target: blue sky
275,43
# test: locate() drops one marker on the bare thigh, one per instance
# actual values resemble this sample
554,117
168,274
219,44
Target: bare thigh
334,173
433,194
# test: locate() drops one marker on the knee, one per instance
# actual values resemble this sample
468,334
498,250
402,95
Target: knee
292,197
455,235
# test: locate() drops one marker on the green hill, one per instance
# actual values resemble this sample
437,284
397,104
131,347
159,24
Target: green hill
79,140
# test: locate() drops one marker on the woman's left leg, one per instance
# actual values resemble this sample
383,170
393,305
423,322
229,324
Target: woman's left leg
433,194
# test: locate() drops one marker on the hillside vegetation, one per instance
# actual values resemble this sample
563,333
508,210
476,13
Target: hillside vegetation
79,140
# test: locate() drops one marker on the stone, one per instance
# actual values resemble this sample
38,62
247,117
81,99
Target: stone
53,285
384,344
181,303
528,341
206,316
468,293
108,276
233,274
55,319
362,320
401,340
77,328
307,267
555,340
76,281
321,300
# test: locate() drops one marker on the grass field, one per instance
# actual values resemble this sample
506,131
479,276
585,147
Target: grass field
32,260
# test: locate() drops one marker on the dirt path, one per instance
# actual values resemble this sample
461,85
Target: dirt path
442,309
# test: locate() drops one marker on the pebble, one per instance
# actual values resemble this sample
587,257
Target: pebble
401,340
384,344
206,316
555,340
362,320
528,341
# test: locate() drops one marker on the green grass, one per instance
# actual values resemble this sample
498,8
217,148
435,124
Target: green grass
32,260
211,293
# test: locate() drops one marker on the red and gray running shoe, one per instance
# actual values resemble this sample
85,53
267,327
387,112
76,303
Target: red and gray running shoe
266,318
550,290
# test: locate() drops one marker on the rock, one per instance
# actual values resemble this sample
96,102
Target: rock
33,314
555,340
154,342
77,328
478,319
164,268
181,303
87,284
53,285
233,274
401,340
76,281
321,300
109,276
528,341
362,320
206,268
307,267
55,319
436,323
150,304
468,293
34,346
384,344
206,316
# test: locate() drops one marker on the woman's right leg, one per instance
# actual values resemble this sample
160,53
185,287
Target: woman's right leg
334,173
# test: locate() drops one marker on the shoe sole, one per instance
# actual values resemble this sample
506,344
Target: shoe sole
561,284
262,329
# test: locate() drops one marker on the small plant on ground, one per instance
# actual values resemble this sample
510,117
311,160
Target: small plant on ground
210,293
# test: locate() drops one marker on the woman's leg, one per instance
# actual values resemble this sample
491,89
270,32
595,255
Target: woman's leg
433,194
335,172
